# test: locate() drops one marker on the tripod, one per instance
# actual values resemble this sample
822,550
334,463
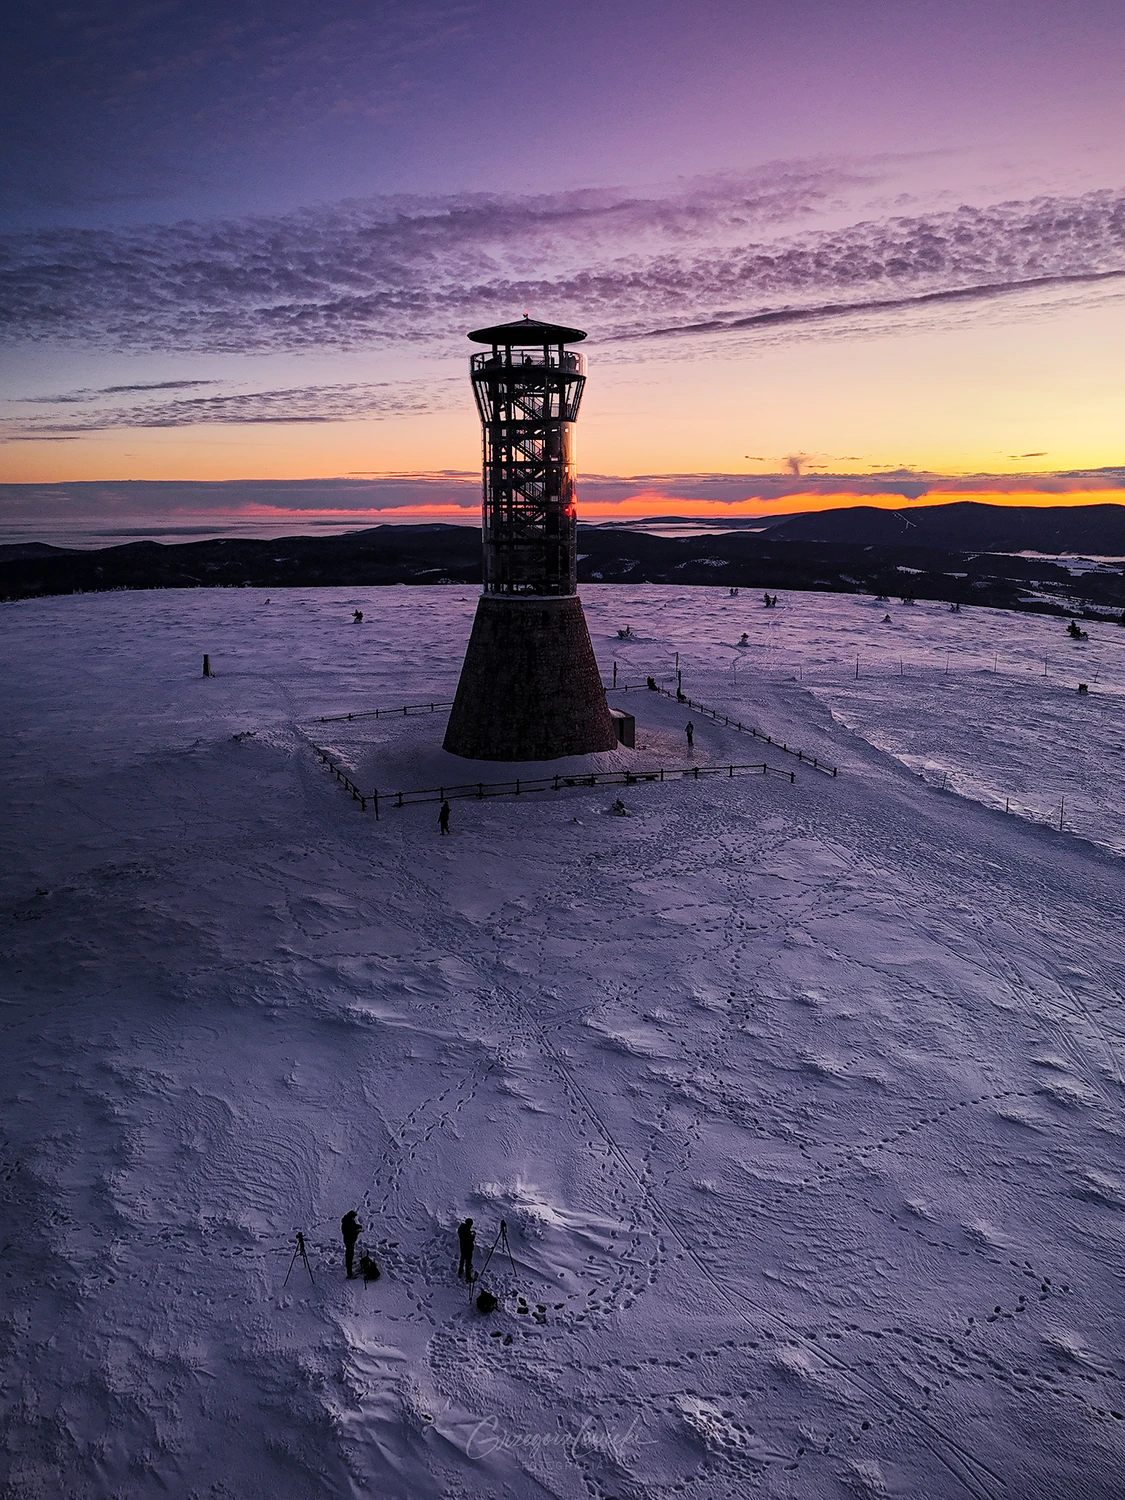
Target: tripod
303,1253
501,1238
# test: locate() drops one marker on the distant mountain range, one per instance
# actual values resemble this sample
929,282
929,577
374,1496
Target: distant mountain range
967,526
1092,530
964,553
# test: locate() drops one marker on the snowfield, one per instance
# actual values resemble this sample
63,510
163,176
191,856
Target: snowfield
803,1102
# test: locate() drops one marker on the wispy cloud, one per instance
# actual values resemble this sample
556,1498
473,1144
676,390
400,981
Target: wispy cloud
982,293
313,403
708,255
74,398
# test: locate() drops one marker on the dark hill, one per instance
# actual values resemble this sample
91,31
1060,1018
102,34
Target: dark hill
917,565
16,551
967,526
383,554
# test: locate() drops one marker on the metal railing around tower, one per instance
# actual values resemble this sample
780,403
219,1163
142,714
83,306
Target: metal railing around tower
516,359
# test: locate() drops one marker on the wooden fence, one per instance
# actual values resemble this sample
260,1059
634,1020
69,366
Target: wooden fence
759,734
402,712
522,785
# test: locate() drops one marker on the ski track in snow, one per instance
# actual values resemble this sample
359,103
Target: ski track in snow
803,1103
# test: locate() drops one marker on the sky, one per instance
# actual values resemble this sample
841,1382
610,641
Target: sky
818,248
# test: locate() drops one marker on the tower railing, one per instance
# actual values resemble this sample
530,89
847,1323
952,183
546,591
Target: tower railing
517,359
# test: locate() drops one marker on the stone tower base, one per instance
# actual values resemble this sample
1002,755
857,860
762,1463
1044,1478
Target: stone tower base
530,688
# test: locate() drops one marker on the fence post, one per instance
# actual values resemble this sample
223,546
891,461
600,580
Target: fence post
517,786
376,797
732,770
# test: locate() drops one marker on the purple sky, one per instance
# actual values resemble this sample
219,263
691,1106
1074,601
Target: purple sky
245,240
117,111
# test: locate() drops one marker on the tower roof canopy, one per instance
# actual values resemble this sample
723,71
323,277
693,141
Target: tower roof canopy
527,331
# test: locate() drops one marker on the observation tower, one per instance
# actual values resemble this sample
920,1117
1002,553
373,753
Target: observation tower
530,688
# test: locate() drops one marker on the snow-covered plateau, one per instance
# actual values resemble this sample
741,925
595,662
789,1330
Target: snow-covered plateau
802,1100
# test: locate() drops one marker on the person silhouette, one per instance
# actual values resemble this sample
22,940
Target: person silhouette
467,1241
443,817
689,730
349,1228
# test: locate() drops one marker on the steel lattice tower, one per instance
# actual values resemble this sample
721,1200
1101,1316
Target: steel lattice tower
530,687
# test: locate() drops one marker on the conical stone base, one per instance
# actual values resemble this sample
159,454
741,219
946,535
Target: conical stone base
530,688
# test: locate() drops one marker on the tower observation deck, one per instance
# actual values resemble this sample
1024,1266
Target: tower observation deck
530,687
528,396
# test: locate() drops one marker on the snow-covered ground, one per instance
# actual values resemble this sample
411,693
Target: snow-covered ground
983,702
803,1103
